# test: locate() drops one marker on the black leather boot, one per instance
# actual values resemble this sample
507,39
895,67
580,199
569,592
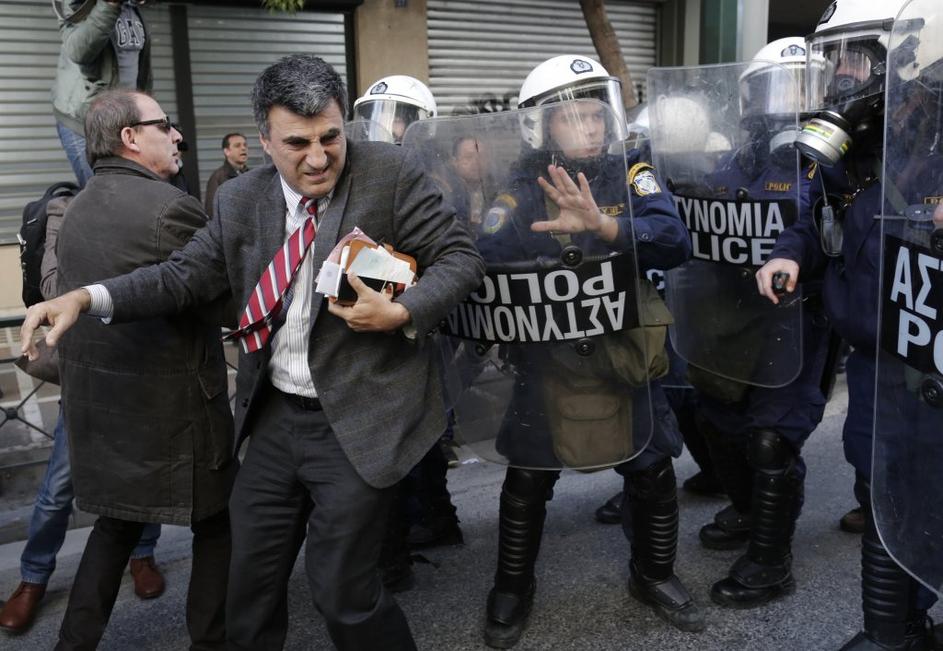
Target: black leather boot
888,595
729,530
611,510
438,526
653,503
731,526
764,573
520,527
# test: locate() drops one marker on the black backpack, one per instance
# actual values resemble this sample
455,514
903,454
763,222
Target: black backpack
32,238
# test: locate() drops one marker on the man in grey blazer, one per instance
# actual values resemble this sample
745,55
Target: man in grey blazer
341,402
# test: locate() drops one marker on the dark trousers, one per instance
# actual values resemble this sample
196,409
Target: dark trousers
294,461
99,576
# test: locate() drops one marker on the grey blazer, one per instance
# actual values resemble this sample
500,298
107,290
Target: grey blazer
382,394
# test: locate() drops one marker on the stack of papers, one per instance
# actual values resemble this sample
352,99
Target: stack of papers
371,261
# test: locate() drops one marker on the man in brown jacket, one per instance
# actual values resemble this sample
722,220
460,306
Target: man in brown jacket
236,153
145,404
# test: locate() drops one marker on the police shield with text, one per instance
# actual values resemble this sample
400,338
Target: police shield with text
721,326
908,448
757,367
849,72
556,351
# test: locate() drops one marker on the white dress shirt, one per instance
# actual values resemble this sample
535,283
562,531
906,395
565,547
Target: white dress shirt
288,367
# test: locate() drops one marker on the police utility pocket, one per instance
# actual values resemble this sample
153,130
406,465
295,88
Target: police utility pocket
590,421
588,398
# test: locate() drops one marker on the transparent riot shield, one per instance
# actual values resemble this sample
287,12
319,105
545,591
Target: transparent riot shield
547,364
906,490
717,135
367,130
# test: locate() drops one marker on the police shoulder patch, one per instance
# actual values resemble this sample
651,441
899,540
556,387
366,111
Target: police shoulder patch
778,186
497,215
933,201
641,177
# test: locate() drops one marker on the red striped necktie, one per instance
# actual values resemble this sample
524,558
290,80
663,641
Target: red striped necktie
265,302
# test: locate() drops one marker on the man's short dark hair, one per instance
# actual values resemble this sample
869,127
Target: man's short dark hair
109,113
301,83
231,135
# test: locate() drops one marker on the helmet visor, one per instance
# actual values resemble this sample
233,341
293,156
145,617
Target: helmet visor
773,90
391,117
842,68
608,91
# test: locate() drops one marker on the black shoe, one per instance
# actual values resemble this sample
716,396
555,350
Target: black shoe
611,511
732,593
669,599
915,641
507,617
704,484
437,532
448,451
853,521
729,530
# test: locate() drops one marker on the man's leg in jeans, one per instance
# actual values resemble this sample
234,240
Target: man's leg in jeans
51,512
74,146
47,529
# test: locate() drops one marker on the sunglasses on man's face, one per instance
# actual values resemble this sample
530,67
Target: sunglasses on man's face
164,124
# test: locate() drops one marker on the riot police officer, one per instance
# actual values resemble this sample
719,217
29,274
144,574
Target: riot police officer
389,106
847,65
568,191
756,438
423,514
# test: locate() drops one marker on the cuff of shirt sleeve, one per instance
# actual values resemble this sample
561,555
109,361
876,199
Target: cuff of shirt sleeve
101,305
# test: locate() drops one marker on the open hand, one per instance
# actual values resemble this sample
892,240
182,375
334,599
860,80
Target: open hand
578,209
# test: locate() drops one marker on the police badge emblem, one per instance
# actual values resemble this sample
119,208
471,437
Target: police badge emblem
497,216
379,88
579,66
642,179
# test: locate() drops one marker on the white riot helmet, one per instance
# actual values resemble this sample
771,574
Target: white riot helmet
679,125
846,76
772,95
774,82
393,103
563,78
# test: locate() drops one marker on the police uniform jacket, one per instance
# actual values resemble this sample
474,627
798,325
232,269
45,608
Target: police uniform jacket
643,209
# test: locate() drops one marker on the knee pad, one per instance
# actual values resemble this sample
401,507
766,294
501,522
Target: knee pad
657,479
771,452
529,485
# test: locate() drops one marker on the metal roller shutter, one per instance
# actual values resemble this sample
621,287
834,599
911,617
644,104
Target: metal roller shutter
480,51
31,158
229,47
